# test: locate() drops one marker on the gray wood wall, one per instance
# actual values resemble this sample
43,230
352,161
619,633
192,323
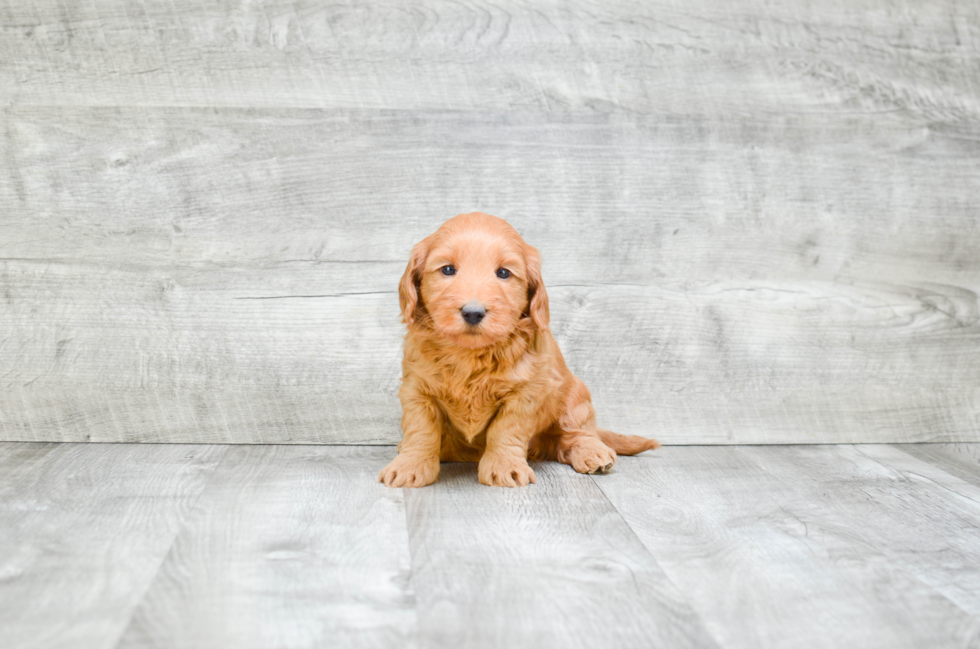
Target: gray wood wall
759,221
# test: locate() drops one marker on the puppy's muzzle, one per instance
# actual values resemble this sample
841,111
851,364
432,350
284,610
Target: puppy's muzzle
473,313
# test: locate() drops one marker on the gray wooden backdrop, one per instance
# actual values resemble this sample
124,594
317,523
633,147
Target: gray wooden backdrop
759,221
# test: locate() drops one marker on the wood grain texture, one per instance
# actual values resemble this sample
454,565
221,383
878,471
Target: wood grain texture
758,226
549,565
919,518
83,530
773,550
607,198
914,469
589,55
275,319
960,460
721,363
158,545
288,547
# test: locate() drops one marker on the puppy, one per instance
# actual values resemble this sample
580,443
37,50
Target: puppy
483,378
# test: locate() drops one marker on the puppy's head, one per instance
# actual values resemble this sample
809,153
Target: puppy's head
473,281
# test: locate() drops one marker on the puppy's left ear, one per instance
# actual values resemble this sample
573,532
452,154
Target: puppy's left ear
537,296
409,287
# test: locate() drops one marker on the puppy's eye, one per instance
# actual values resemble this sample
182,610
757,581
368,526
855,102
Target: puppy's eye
503,273
448,270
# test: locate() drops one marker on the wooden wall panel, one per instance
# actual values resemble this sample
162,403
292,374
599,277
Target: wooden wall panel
756,226
634,56
192,355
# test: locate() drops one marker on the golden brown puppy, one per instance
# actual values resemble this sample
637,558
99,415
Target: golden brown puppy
483,378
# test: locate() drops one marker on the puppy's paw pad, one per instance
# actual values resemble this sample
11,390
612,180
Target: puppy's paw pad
409,472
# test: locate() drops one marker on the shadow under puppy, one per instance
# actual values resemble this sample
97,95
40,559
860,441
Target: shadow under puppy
483,378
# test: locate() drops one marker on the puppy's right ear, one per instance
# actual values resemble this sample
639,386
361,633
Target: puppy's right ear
409,287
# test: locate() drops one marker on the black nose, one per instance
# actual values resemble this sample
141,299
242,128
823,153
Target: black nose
473,313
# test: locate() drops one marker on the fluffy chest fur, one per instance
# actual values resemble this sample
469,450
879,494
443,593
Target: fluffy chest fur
471,387
471,407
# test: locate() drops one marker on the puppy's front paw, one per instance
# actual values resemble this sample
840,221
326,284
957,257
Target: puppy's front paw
497,471
590,457
405,471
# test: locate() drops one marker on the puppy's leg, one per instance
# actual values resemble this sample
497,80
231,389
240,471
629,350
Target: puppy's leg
417,462
504,462
579,443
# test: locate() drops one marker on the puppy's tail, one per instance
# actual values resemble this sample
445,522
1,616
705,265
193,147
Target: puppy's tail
627,444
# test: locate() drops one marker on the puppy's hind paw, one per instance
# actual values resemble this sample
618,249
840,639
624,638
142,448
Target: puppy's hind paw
592,458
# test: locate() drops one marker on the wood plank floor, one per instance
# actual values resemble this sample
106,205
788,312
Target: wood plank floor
127,545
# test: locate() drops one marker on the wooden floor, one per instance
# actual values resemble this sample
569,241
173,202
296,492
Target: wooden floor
297,546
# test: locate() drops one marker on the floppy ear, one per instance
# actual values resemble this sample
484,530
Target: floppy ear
537,296
408,288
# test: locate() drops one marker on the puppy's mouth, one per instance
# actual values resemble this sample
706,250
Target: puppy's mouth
474,337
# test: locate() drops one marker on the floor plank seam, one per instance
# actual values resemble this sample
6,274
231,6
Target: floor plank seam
173,542
925,478
898,566
410,578
646,548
